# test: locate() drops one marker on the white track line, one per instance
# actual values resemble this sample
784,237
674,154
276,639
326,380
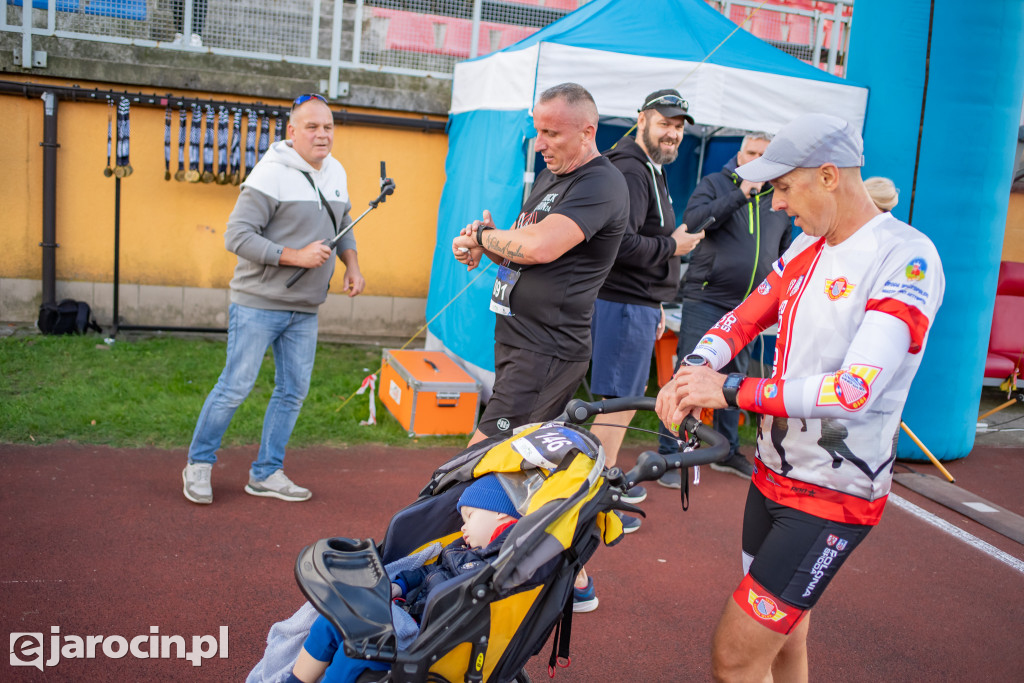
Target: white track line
957,532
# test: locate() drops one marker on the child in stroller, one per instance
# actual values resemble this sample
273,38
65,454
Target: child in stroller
486,624
487,514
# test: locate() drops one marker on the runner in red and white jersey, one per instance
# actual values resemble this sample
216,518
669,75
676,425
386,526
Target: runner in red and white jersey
853,320
854,298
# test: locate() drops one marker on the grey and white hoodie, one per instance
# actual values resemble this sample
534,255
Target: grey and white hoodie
279,208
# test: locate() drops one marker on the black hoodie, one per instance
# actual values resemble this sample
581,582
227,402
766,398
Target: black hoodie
739,248
646,271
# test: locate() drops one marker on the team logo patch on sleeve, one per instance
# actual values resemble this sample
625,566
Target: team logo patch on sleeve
838,289
764,288
851,390
848,387
916,269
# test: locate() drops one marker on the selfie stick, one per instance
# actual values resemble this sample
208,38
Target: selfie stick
387,187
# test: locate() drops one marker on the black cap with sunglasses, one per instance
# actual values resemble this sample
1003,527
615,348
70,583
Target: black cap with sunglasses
668,103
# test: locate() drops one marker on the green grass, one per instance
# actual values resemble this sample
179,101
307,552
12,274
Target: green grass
148,392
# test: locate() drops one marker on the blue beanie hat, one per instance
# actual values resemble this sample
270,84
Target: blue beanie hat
487,493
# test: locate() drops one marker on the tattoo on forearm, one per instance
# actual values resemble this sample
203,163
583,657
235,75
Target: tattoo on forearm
494,244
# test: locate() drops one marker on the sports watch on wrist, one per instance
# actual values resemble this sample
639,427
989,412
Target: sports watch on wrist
732,387
480,235
695,359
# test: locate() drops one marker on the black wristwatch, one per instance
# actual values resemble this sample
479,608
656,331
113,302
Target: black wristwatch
480,235
732,387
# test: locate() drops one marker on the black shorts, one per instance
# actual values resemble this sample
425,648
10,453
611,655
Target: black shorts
795,555
528,387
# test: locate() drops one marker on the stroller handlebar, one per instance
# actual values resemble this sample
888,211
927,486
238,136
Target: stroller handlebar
649,465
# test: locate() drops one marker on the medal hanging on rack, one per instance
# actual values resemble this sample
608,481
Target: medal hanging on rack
192,175
264,136
236,148
222,146
167,143
108,171
250,141
123,168
207,176
179,175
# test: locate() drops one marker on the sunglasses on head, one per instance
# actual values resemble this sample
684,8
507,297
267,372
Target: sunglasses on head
302,99
671,100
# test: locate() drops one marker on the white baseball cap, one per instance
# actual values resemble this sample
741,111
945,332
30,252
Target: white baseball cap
807,142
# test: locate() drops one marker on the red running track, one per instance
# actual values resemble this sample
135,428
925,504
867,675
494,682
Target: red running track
99,541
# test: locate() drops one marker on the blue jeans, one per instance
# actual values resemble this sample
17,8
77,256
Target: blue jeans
699,317
250,331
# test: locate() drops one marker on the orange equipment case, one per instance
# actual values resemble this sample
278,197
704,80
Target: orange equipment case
429,393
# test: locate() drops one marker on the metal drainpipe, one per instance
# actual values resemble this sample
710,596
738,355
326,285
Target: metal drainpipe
49,243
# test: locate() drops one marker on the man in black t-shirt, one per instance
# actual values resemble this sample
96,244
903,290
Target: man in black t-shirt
551,265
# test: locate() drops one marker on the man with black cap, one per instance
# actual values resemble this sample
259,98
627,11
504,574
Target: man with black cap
854,298
627,313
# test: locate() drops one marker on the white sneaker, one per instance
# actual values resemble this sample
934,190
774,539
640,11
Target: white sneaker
197,482
278,485
178,39
196,40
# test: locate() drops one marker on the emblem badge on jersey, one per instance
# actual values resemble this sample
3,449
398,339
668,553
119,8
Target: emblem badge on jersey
706,341
764,607
771,390
795,285
851,390
839,288
764,288
503,424
916,269
848,387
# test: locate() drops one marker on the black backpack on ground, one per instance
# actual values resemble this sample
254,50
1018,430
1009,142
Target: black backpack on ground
67,317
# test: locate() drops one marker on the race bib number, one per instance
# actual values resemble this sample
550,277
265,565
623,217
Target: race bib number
502,293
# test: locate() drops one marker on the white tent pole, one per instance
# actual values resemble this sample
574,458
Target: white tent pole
474,44
819,35
833,47
531,157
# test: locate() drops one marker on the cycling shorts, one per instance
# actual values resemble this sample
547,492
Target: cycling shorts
790,557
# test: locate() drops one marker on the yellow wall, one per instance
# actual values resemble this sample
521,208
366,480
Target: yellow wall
172,232
1013,240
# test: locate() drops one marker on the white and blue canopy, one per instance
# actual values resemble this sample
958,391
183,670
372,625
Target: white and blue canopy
620,50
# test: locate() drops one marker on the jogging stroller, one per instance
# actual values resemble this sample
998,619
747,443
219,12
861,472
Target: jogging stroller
485,626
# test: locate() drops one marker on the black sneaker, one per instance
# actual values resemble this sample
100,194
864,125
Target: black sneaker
637,494
735,464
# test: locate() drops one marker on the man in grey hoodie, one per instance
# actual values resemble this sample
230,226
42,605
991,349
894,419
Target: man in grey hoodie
285,212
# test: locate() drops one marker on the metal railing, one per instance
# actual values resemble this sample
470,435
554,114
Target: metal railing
813,31
417,37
